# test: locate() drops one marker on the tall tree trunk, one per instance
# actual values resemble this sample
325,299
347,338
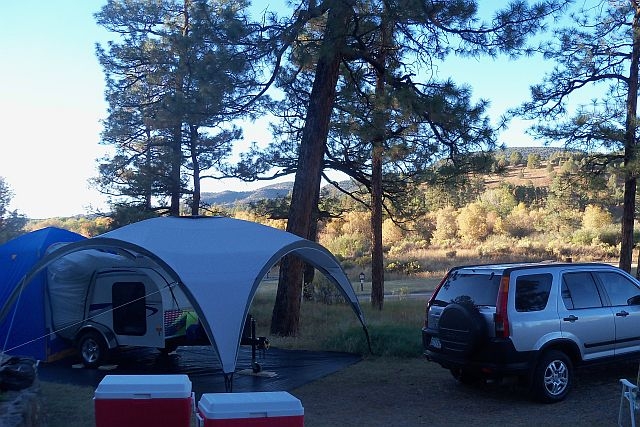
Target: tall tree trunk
285,319
377,151
175,179
377,256
630,157
175,189
148,186
309,270
195,200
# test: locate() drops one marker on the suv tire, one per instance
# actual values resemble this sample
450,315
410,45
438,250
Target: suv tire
461,328
553,377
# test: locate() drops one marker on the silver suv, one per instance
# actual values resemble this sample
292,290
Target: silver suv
534,321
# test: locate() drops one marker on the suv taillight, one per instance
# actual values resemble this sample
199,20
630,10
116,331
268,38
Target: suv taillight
430,302
501,318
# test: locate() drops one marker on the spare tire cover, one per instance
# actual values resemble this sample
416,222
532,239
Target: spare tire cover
461,329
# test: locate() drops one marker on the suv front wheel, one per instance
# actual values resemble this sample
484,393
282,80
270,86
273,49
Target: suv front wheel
553,377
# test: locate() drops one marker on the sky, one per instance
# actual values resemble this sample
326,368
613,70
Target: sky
52,104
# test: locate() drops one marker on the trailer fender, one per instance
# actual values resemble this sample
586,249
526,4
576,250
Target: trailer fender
107,334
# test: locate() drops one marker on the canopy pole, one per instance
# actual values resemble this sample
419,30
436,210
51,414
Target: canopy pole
13,317
228,382
366,333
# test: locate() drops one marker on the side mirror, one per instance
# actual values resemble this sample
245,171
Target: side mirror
634,300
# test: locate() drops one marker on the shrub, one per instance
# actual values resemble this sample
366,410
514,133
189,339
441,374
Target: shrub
500,199
348,245
596,218
446,225
512,249
407,246
493,249
405,267
515,158
391,233
518,223
324,291
472,223
533,161
611,235
583,236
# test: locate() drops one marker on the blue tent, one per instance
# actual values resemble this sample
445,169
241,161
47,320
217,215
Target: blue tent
24,331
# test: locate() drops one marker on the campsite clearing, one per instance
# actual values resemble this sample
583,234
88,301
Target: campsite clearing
408,392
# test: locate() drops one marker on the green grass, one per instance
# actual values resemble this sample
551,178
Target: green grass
394,331
68,405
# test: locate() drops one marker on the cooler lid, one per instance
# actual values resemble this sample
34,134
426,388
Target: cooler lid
249,405
144,387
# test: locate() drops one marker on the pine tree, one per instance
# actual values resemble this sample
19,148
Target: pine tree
600,46
176,78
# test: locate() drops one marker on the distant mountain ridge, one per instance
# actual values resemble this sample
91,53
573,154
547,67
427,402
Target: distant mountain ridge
543,152
231,198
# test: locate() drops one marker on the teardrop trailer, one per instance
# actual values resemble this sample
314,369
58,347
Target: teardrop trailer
100,301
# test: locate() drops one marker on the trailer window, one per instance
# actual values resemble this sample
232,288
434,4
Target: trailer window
129,313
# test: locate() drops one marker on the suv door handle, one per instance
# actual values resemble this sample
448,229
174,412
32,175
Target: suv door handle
571,318
622,314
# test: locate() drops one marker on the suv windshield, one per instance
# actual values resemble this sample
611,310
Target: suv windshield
481,289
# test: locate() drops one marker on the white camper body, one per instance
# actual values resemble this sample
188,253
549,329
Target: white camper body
100,301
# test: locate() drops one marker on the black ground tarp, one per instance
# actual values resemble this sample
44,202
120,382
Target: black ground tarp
292,368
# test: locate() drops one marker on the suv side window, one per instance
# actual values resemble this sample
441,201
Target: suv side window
618,287
579,290
532,292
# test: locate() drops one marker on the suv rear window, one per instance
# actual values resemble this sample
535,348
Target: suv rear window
481,289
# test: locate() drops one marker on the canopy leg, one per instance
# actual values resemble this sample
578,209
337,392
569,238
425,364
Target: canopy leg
366,332
228,382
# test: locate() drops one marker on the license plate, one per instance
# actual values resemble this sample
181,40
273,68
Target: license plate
435,342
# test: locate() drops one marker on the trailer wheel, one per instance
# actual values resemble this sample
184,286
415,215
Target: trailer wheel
92,348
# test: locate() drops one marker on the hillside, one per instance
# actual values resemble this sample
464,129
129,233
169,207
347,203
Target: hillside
516,175
520,176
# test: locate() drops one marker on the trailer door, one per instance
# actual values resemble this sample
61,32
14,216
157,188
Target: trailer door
137,313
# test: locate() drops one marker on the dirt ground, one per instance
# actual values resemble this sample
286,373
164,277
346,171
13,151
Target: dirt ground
414,392
411,392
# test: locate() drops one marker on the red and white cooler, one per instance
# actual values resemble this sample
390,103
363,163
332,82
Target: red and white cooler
260,409
144,400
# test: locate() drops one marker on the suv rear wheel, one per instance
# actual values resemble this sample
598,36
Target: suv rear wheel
553,377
